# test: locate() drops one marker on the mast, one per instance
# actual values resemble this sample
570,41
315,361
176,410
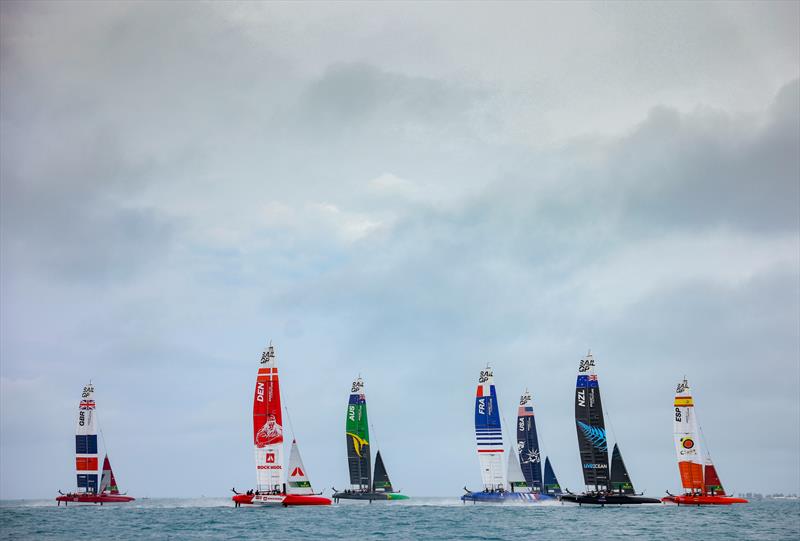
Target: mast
528,444
268,425
86,443
489,432
357,436
687,440
620,481
590,427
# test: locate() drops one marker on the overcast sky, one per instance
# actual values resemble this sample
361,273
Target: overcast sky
406,192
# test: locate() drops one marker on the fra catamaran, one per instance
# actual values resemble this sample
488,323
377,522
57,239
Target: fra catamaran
601,488
522,480
363,486
699,477
272,488
86,460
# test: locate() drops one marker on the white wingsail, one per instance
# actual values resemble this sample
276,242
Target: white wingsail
489,432
298,482
687,441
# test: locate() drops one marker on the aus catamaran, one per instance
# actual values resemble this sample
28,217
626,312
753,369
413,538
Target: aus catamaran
602,488
364,485
273,487
86,460
521,480
701,484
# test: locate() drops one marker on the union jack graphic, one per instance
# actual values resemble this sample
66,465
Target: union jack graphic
87,404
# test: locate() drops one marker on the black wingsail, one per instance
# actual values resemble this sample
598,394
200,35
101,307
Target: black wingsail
620,482
591,427
381,481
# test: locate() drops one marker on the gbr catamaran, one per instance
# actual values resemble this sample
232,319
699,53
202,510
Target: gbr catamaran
520,481
86,460
699,477
602,488
364,485
272,486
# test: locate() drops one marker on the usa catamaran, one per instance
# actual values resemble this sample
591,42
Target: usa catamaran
701,484
521,480
86,460
272,486
601,488
363,485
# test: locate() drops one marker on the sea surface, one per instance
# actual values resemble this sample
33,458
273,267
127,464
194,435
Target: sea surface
420,518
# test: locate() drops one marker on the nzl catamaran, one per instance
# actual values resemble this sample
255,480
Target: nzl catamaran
86,460
363,485
701,484
521,481
601,488
272,486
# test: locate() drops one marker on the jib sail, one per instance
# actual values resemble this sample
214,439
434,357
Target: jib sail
551,485
380,481
620,481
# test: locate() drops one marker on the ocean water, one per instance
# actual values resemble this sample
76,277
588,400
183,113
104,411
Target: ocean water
421,518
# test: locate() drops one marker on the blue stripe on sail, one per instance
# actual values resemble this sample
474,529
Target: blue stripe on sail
491,443
87,481
86,445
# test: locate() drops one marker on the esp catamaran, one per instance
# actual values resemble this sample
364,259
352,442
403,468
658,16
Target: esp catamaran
602,488
699,477
86,460
364,485
516,482
272,486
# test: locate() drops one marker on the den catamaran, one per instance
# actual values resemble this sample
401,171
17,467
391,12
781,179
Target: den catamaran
602,488
521,480
363,485
699,477
272,487
86,460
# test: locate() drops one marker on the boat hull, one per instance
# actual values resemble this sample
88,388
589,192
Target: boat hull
94,498
369,496
607,499
688,499
505,497
284,500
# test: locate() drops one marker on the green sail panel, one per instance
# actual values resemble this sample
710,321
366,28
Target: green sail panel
357,435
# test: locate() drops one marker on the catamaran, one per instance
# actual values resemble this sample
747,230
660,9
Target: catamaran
699,477
363,485
272,487
86,460
515,482
601,488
